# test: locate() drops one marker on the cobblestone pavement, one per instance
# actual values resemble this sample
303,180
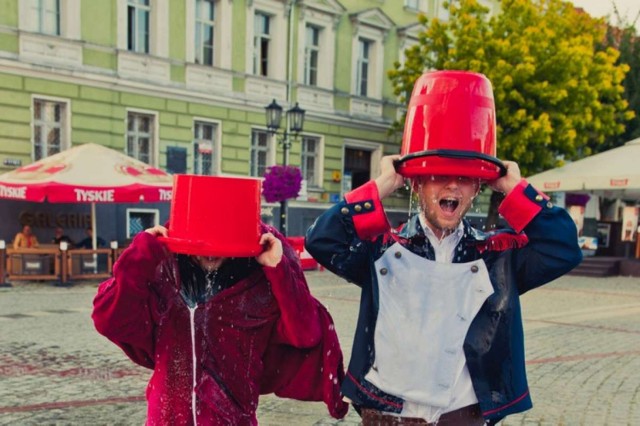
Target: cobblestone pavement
582,340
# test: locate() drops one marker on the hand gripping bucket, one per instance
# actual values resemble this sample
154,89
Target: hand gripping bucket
214,216
450,128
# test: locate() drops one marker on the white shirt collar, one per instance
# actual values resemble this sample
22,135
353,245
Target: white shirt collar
444,248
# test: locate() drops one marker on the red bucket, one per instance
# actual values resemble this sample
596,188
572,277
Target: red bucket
450,128
215,216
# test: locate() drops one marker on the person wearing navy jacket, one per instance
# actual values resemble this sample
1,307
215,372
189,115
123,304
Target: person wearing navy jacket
416,354
439,336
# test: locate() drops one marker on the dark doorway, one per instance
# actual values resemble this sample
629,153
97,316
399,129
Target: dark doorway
357,163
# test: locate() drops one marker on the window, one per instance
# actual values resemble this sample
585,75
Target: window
259,153
140,219
49,128
47,16
311,52
143,28
204,148
318,23
412,4
138,15
443,12
140,137
309,160
261,41
205,26
209,39
362,79
371,28
266,27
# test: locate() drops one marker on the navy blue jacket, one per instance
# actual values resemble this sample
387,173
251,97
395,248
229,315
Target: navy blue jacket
352,235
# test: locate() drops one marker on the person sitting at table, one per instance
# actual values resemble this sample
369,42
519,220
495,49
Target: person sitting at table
59,237
87,243
25,239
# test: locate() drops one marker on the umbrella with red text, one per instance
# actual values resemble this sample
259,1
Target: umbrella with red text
88,173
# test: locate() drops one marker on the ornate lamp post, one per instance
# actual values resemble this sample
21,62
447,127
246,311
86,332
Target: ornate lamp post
295,118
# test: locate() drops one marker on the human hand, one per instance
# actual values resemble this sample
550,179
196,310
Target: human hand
158,231
509,181
389,180
272,253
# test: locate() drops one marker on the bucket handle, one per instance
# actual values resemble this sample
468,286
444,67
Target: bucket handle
452,153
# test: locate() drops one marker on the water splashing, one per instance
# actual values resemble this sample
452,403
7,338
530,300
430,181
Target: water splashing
414,202
192,315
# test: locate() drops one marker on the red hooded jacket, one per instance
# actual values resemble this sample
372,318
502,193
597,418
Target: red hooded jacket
265,334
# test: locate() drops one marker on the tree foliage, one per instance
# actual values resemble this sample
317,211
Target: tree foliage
557,95
624,37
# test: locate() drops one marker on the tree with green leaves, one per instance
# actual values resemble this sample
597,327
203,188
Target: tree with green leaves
624,37
556,94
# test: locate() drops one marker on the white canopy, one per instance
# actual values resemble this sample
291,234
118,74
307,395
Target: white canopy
612,174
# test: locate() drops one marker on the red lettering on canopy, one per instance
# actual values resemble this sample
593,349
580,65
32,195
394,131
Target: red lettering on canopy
619,182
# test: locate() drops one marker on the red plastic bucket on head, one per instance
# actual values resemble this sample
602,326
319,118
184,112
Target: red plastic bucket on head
450,128
215,216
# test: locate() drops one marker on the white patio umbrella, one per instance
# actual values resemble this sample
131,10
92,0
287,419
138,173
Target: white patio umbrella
612,174
88,173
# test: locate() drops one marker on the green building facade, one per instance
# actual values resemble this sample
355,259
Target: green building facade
183,85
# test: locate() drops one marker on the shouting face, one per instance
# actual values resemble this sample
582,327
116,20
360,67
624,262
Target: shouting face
444,200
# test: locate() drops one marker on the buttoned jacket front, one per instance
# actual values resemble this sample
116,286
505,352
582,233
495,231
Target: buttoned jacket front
353,234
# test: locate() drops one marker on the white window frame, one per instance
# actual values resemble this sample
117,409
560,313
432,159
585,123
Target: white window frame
440,12
222,37
134,43
69,18
278,38
413,4
365,49
326,17
158,24
377,36
258,39
65,134
407,38
42,14
155,139
312,48
319,160
154,212
203,26
216,146
270,150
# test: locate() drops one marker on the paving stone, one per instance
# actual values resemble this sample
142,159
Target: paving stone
582,347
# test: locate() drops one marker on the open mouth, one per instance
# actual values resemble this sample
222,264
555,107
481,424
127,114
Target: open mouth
449,205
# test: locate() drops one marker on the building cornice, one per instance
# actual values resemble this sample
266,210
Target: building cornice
111,82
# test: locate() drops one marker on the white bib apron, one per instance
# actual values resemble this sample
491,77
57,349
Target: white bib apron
425,310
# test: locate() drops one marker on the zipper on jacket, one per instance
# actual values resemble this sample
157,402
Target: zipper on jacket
192,315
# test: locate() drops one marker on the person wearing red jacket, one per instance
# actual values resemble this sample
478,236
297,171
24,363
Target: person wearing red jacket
218,332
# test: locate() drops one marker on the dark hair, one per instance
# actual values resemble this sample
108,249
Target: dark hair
198,285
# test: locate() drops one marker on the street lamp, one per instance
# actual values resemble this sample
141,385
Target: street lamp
295,118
